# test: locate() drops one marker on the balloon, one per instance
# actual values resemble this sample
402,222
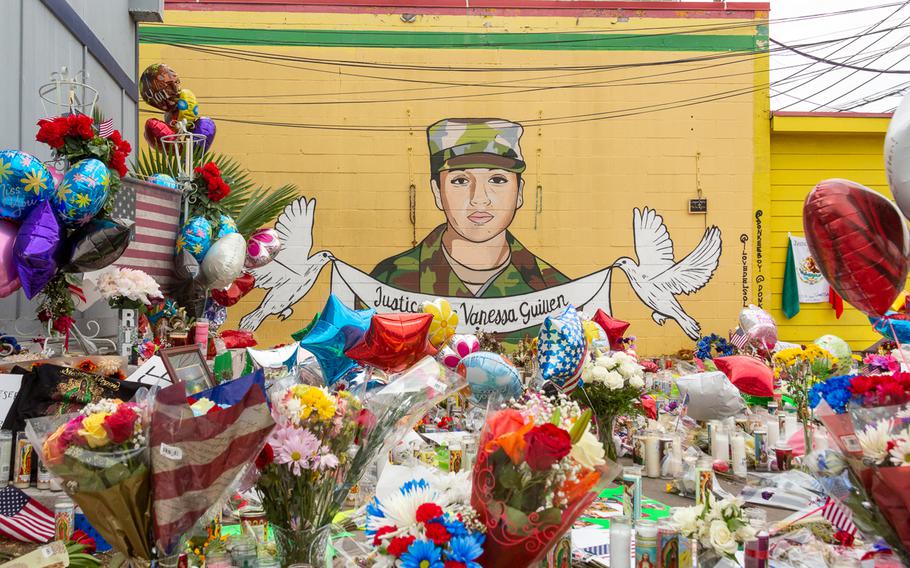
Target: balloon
614,328
893,326
154,130
215,313
748,374
36,248
445,320
593,331
490,373
9,276
239,288
352,323
98,244
394,342
301,333
206,127
195,237
187,108
164,180
840,349
710,396
226,226
24,183
224,262
82,192
458,348
897,156
263,246
326,342
859,241
561,349
186,267
159,86
56,175
759,327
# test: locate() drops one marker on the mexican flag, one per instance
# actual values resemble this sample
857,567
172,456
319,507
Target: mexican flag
804,282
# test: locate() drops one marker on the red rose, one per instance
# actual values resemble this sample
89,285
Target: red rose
120,425
845,538
399,545
381,531
546,445
265,457
437,533
427,512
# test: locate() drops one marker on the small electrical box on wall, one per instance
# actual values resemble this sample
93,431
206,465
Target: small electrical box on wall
698,205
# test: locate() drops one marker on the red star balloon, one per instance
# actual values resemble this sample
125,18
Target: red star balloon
394,342
613,327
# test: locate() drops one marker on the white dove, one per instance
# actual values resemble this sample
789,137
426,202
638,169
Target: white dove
293,271
657,278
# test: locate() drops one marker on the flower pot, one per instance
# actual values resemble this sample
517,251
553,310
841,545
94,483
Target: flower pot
303,546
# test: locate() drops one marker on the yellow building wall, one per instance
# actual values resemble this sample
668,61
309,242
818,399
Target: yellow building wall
657,148
805,151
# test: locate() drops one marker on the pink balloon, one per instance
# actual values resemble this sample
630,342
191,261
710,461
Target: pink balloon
459,347
56,174
9,276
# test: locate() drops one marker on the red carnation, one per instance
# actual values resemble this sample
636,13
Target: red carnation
546,445
399,545
381,531
438,533
265,457
121,424
218,190
428,512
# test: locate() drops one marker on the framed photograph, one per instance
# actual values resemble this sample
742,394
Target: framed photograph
186,364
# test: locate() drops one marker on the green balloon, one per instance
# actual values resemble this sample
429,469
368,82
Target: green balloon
298,335
840,349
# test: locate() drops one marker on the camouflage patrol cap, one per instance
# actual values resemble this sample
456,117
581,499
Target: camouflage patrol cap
461,143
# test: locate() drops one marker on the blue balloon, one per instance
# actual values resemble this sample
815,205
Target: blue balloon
24,183
883,325
488,373
326,342
195,237
561,349
353,323
163,179
226,226
82,192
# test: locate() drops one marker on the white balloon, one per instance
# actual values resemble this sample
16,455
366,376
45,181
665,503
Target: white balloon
224,262
897,156
711,396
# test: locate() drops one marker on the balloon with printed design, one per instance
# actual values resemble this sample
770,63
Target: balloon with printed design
490,374
24,183
263,246
187,108
459,347
9,276
838,348
445,320
226,226
163,180
159,86
561,349
759,327
82,192
195,237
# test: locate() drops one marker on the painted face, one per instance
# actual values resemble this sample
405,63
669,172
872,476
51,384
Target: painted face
479,203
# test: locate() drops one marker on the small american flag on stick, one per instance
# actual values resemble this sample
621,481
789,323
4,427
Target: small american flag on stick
838,515
156,211
106,128
23,518
739,338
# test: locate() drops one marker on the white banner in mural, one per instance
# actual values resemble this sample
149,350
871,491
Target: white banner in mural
812,286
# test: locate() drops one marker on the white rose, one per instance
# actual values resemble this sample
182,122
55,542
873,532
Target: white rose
745,533
599,374
722,539
587,373
605,362
636,382
588,451
614,380
687,520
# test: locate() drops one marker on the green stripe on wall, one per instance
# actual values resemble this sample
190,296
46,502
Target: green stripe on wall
451,40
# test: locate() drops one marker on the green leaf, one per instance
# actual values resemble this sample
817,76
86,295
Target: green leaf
578,429
509,478
557,416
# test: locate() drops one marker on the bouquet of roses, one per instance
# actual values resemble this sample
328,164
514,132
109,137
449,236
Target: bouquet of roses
101,454
538,467
77,137
422,522
719,527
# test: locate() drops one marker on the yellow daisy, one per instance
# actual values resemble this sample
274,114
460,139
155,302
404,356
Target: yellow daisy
34,182
197,248
63,191
5,170
82,200
181,242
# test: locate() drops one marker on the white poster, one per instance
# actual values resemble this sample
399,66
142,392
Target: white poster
812,286
9,388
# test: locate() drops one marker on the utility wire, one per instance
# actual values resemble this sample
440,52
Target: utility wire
837,64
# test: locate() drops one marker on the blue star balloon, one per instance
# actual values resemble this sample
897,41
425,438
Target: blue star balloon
195,237
561,349
353,323
488,373
226,226
24,183
82,192
326,342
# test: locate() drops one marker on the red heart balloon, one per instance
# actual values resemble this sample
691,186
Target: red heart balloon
859,241
239,288
154,130
394,342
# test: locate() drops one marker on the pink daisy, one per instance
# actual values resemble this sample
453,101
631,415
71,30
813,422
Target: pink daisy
297,449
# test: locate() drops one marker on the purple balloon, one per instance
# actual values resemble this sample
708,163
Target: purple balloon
205,126
36,248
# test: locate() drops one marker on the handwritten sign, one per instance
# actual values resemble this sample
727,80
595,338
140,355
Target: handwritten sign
9,388
152,372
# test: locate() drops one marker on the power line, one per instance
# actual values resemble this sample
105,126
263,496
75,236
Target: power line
837,64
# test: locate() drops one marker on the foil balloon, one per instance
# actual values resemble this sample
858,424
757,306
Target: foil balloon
215,313
394,342
56,175
187,108
305,330
206,127
445,320
9,276
859,241
36,248
263,246
352,323
897,156
892,325
163,180
593,331
488,374
159,86
24,183
561,349
224,262
195,237
326,343
759,327
614,328
186,267
840,349
458,348
226,226
98,244
82,192
154,131
239,288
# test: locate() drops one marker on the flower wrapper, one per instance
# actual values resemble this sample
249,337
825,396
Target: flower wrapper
111,487
196,459
841,428
889,488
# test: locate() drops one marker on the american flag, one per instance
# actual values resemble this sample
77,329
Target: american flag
106,128
23,518
739,338
838,515
156,211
